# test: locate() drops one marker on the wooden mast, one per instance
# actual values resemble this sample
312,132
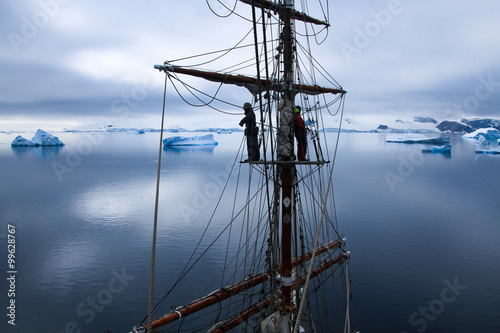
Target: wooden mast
287,199
285,164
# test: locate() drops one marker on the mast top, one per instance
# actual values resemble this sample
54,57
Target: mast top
294,14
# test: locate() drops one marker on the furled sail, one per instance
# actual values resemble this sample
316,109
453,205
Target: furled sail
254,85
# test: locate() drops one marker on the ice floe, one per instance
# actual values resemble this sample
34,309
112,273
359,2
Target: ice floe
445,149
417,138
204,140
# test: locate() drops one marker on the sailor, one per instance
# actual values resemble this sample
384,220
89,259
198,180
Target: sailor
251,132
300,134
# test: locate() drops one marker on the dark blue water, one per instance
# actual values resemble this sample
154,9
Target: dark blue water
423,230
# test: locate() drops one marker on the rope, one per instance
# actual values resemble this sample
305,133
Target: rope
155,227
316,242
347,326
231,11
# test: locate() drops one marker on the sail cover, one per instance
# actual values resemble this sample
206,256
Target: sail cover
277,323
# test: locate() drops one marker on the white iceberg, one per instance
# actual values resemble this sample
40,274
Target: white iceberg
19,141
484,146
224,131
417,138
43,138
487,133
445,149
204,140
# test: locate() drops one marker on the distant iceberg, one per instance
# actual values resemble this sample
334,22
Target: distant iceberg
204,140
484,146
224,131
19,141
41,138
445,149
417,138
489,134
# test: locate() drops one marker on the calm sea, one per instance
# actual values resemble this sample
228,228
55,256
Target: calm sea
423,230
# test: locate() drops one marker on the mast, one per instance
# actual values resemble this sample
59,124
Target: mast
286,171
287,200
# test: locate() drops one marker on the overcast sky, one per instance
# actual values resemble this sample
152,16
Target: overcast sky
70,62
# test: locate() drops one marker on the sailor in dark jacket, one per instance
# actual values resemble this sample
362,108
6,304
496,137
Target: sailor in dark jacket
300,134
251,132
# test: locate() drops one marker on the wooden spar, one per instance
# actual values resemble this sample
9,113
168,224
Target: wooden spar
222,294
323,249
211,299
241,318
256,308
323,267
251,83
296,15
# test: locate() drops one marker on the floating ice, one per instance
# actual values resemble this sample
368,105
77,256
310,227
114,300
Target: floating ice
43,138
224,131
487,133
484,146
417,138
445,149
19,141
204,140
310,122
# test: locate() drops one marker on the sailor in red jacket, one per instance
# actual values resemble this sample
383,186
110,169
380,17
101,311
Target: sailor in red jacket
300,134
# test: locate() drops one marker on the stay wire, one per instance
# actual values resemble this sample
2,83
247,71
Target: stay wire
213,52
231,11
254,19
184,272
323,210
155,226
199,91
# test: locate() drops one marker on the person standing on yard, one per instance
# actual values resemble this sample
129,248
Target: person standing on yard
300,134
251,132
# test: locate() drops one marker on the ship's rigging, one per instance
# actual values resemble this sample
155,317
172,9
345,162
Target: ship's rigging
289,247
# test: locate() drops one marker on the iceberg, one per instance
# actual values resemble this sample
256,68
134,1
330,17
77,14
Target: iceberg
19,141
489,134
204,140
224,131
445,149
417,138
43,138
484,146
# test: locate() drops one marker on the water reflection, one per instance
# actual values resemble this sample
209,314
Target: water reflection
209,149
41,153
65,264
116,204
100,217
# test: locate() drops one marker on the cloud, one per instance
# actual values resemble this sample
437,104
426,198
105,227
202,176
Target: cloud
64,58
